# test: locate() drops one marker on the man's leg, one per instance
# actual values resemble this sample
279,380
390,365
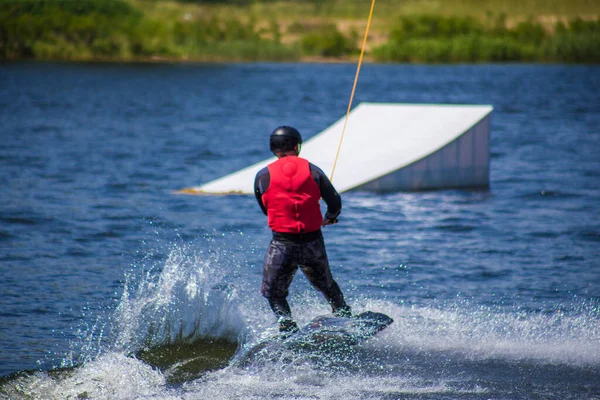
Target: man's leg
315,266
278,272
282,311
338,304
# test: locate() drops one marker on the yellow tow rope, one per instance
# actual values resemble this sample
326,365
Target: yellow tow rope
362,52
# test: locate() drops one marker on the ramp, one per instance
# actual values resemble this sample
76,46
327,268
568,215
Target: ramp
391,147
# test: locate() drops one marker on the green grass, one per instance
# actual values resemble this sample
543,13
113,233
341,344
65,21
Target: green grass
113,29
358,9
437,31
444,39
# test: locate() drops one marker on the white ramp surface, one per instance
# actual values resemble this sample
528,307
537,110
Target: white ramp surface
391,147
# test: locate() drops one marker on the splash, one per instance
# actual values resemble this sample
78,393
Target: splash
475,332
111,376
190,298
455,351
173,335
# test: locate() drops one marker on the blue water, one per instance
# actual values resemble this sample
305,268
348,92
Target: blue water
495,294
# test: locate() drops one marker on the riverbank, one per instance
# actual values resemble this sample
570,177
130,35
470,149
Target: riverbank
415,31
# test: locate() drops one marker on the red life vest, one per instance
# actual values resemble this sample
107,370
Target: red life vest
292,198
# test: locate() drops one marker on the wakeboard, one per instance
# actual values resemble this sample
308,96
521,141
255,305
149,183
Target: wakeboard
324,334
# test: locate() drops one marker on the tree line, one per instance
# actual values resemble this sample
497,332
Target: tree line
117,30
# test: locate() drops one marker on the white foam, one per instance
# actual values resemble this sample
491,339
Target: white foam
394,363
111,376
486,333
181,301
307,383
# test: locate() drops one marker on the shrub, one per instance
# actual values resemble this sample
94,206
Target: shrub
433,26
529,31
328,42
451,39
247,50
573,47
61,28
110,8
580,26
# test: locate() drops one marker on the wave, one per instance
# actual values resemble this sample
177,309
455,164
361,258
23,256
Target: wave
190,298
179,322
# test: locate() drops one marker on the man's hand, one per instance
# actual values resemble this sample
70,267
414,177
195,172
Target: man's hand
327,221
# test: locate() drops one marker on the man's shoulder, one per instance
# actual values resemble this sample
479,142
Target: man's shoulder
316,169
263,171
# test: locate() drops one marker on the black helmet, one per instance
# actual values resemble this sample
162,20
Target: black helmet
285,138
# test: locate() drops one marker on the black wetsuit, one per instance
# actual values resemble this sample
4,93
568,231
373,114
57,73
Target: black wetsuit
288,251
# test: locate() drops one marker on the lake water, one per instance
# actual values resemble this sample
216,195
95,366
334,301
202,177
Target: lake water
113,287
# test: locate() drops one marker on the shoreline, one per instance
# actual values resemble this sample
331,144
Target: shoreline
303,60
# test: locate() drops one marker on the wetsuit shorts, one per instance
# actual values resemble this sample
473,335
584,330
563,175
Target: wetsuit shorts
283,259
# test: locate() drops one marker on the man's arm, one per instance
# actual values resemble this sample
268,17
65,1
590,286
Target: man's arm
261,183
328,193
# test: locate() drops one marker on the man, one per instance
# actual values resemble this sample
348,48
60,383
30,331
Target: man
288,192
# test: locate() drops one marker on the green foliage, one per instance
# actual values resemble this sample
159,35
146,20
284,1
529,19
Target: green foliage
327,42
573,47
466,48
275,31
113,29
580,26
296,27
244,50
529,32
110,8
579,41
429,26
117,30
236,2
64,29
452,39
